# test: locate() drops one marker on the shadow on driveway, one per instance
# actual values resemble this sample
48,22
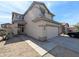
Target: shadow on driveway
15,39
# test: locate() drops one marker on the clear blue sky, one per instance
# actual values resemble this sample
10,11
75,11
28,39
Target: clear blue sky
65,11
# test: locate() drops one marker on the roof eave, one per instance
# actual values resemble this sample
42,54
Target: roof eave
38,3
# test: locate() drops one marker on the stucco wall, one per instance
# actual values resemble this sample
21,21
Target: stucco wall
14,28
47,15
60,29
32,28
50,30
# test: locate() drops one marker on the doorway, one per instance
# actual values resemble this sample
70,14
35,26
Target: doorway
20,28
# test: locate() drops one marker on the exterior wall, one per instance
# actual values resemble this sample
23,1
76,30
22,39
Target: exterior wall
47,15
14,28
59,30
36,12
32,14
32,28
43,36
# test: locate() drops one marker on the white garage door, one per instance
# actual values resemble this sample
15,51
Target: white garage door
51,32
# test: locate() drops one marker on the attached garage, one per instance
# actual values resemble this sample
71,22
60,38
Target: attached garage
47,28
51,32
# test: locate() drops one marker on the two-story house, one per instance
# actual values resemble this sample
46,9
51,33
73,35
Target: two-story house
36,22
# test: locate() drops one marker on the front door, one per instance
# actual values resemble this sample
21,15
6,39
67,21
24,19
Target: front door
20,28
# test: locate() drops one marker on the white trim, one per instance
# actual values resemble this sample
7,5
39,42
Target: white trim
40,50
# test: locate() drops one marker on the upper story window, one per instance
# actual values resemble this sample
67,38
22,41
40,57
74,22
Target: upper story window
19,17
42,11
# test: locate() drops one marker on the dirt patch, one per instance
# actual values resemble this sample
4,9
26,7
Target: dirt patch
18,49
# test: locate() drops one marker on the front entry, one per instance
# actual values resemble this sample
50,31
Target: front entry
20,28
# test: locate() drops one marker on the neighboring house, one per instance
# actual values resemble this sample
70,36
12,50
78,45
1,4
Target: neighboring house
36,22
5,25
65,28
0,25
9,27
72,29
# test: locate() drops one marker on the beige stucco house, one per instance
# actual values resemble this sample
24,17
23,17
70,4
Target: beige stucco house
36,22
65,28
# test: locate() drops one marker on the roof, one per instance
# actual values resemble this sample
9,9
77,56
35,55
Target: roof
41,3
13,13
16,13
6,24
45,19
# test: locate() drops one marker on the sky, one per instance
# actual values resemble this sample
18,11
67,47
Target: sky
64,11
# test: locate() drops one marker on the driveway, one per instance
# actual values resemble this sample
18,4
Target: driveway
65,47
59,46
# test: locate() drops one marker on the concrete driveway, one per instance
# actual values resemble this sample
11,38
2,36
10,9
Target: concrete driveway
59,46
65,47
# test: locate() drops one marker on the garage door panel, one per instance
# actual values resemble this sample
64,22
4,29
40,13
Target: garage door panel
51,32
